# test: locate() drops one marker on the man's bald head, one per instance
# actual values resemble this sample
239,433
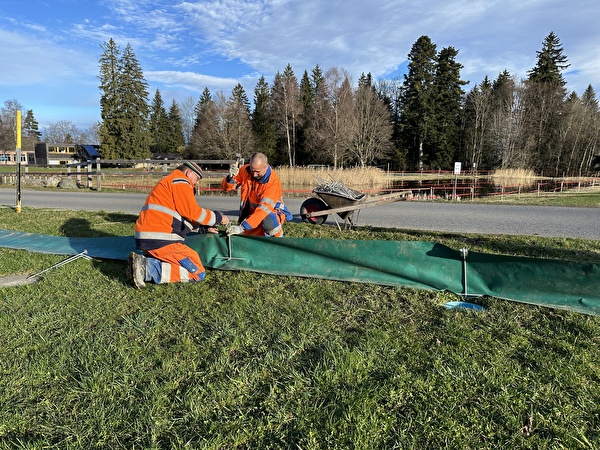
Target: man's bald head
258,165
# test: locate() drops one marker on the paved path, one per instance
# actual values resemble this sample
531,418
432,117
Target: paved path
452,217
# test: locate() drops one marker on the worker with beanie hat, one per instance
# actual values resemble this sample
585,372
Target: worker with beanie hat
168,215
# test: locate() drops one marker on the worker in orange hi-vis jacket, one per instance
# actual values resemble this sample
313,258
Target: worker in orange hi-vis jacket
262,212
168,215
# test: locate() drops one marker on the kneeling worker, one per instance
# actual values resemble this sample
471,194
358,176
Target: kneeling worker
169,214
262,212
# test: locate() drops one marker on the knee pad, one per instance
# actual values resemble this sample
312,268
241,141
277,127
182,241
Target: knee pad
270,223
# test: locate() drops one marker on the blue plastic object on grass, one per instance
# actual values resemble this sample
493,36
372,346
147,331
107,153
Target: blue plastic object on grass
464,305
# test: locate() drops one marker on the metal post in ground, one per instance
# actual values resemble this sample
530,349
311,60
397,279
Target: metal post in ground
18,152
464,251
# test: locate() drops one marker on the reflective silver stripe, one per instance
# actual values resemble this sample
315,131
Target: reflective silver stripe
165,275
188,225
156,235
207,213
275,230
163,209
269,201
268,209
184,275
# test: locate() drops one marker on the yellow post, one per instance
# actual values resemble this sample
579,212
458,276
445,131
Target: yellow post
18,160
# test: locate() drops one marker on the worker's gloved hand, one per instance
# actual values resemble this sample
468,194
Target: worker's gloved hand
233,170
234,229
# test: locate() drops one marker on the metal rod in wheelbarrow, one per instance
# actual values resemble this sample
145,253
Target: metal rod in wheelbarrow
339,187
365,203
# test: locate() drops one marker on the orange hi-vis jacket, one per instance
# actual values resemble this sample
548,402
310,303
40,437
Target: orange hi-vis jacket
258,198
170,213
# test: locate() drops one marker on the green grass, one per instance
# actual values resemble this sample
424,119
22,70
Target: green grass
251,361
586,199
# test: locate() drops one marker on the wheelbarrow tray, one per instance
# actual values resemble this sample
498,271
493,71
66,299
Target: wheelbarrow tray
343,205
335,200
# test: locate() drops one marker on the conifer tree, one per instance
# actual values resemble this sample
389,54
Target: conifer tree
31,126
159,126
176,135
365,80
123,105
111,112
286,106
262,123
417,120
203,104
305,118
318,83
306,92
316,114
447,96
550,62
239,127
134,98
206,137
390,93
544,96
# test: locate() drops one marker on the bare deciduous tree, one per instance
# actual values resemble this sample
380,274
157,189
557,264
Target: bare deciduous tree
187,109
335,119
373,129
63,132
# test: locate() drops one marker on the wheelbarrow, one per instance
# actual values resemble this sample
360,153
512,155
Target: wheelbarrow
336,198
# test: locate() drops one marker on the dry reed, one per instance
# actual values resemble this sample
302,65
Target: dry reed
302,178
514,177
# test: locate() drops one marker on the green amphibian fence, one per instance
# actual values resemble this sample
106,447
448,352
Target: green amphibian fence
570,285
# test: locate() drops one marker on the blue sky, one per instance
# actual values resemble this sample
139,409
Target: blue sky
49,49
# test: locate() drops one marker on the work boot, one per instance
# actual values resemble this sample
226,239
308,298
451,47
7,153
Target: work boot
136,270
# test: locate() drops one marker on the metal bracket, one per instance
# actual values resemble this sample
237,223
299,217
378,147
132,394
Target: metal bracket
82,254
464,251
229,256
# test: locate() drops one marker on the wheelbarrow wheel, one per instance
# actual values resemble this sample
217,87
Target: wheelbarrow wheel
312,205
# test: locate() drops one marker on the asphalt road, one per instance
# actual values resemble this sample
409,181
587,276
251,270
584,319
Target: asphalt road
452,217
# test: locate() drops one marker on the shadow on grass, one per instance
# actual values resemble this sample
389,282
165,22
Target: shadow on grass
80,227
84,228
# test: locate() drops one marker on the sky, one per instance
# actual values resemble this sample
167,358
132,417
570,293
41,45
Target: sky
50,49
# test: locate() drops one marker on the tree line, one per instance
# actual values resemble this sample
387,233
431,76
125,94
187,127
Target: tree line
423,121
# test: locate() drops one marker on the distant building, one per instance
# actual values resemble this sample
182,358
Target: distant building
88,152
9,157
63,154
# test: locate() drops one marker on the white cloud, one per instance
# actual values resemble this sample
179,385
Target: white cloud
195,44
190,80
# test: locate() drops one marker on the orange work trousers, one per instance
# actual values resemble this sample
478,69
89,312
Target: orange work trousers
180,263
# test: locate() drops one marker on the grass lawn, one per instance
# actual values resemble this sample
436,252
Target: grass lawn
250,361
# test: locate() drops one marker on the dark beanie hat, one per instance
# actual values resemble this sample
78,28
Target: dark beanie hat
194,167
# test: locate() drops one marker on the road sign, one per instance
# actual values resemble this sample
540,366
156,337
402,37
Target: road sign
457,166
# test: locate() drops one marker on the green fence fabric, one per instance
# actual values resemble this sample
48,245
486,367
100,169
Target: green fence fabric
570,285
114,247
422,265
